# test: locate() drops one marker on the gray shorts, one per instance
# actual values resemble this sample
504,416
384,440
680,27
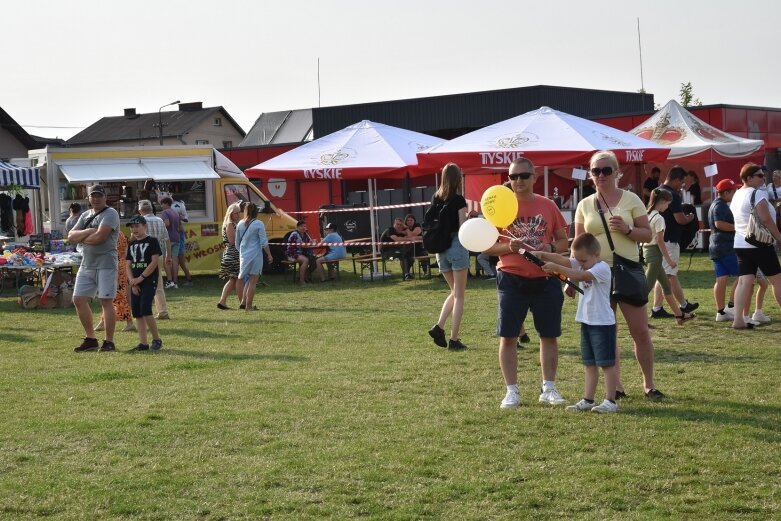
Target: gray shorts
91,281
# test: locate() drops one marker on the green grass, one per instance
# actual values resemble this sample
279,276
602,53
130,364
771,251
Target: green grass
332,402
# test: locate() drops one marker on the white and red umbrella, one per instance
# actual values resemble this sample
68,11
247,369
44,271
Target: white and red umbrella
365,150
690,137
547,137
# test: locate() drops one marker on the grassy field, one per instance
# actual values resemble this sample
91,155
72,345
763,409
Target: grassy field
332,402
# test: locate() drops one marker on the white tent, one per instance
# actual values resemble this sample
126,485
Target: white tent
690,137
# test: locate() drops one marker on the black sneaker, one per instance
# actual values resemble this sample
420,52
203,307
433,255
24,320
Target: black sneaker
88,344
438,334
689,307
140,347
523,339
157,345
107,346
620,394
662,313
655,395
455,345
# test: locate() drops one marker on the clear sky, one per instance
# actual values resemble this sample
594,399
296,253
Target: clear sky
67,64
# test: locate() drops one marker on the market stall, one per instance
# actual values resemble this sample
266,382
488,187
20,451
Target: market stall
17,185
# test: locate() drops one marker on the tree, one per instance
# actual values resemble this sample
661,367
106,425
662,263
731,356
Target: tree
687,95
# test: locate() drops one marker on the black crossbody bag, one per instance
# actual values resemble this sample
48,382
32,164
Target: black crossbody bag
629,282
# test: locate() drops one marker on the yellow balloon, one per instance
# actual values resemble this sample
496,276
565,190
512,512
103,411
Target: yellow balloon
499,206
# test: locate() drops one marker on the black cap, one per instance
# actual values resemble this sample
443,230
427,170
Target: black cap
96,189
137,219
329,226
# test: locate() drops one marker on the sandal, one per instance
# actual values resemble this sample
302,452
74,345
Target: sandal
222,306
684,317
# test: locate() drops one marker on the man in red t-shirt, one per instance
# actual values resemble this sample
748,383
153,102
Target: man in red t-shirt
523,286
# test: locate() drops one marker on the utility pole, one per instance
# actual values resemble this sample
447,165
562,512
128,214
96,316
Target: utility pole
160,119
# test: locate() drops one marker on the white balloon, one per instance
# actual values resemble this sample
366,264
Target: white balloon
477,234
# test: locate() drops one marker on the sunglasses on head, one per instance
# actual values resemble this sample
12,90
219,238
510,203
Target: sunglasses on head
605,170
522,175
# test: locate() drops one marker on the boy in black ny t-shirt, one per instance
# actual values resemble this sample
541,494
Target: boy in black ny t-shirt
141,265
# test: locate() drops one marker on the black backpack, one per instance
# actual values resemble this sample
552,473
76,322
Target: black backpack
689,230
436,227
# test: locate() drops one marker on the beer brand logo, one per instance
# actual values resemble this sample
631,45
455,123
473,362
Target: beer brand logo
418,147
350,225
516,140
333,159
662,132
611,139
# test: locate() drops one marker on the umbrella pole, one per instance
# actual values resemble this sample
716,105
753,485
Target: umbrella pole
545,176
372,221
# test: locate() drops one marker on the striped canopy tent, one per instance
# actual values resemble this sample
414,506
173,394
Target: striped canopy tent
12,175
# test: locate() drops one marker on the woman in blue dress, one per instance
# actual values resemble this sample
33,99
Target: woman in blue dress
251,241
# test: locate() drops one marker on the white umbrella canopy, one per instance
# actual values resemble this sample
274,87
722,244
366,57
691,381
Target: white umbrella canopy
365,150
547,137
690,137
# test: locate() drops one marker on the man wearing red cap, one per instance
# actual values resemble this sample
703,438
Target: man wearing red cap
721,249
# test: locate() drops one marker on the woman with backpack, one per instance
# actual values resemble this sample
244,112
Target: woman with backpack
454,261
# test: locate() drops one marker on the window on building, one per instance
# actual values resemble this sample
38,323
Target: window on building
201,141
227,144
217,122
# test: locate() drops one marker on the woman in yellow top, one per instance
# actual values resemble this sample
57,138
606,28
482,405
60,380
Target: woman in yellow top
626,216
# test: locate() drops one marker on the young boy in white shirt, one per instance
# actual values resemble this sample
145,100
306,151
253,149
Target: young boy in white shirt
597,320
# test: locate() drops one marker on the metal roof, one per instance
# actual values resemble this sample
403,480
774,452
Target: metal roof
451,115
145,126
287,126
8,123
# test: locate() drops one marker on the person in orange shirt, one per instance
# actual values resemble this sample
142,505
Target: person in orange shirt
523,286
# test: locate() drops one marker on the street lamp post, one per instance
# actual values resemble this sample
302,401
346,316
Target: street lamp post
160,119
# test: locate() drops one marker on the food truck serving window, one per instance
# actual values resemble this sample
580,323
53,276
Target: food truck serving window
193,193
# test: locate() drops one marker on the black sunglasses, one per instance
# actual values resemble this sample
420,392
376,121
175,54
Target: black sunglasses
605,170
758,174
522,175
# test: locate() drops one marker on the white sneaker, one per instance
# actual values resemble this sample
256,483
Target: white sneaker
552,397
749,320
582,405
724,317
171,285
730,312
759,316
606,406
512,400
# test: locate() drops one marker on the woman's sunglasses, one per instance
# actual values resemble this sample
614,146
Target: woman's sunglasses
605,171
522,175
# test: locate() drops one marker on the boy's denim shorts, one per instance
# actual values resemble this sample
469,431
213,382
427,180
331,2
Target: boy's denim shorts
598,345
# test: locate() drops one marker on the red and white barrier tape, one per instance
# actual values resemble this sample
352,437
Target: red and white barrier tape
362,208
325,244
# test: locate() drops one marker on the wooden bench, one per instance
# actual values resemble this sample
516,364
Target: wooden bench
423,260
293,267
333,265
366,262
